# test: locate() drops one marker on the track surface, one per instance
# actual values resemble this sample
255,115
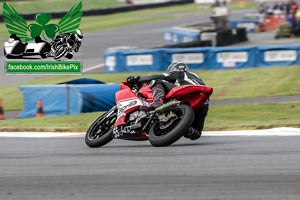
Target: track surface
224,167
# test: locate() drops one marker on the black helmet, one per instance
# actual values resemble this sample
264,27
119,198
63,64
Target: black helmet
177,66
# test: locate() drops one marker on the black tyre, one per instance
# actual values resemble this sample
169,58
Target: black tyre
101,131
60,51
159,136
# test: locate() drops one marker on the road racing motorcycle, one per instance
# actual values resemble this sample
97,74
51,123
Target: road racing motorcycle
64,46
131,118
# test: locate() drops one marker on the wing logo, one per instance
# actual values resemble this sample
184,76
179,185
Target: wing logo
42,37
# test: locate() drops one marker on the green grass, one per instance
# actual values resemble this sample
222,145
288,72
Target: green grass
33,6
227,84
254,82
69,123
219,118
253,116
97,23
242,83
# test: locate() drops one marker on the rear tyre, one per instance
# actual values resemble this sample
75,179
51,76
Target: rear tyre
101,131
160,136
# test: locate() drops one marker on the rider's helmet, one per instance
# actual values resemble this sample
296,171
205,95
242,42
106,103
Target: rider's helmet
177,66
78,35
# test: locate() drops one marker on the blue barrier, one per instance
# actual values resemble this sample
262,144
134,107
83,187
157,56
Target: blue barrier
68,98
135,60
278,56
180,35
196,58
201,58
228,57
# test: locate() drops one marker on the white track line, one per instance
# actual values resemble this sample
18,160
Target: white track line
93,68
283,131
40,134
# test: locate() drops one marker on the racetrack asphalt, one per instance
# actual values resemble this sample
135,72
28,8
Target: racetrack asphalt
225,167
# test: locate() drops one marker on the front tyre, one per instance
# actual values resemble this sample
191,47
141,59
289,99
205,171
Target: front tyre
60,51
180,120
101,131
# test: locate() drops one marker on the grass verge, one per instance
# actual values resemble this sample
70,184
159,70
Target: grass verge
33,6
253,116
227,84
239,117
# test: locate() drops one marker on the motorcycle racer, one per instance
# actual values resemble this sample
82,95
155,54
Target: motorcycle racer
73,40
177,74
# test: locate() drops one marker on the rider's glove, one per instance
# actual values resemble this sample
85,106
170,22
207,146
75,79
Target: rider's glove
133,79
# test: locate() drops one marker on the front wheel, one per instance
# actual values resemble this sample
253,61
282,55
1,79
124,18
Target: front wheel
101,131
179,120
60,51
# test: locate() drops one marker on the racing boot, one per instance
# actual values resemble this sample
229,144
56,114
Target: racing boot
192,134
157,100
156,103
158,95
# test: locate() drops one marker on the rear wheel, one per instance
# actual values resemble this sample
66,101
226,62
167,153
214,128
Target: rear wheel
166,132
101,131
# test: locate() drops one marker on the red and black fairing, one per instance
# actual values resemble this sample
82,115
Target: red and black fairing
126,101
194,95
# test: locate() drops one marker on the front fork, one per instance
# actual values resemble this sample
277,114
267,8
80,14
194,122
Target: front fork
107,114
